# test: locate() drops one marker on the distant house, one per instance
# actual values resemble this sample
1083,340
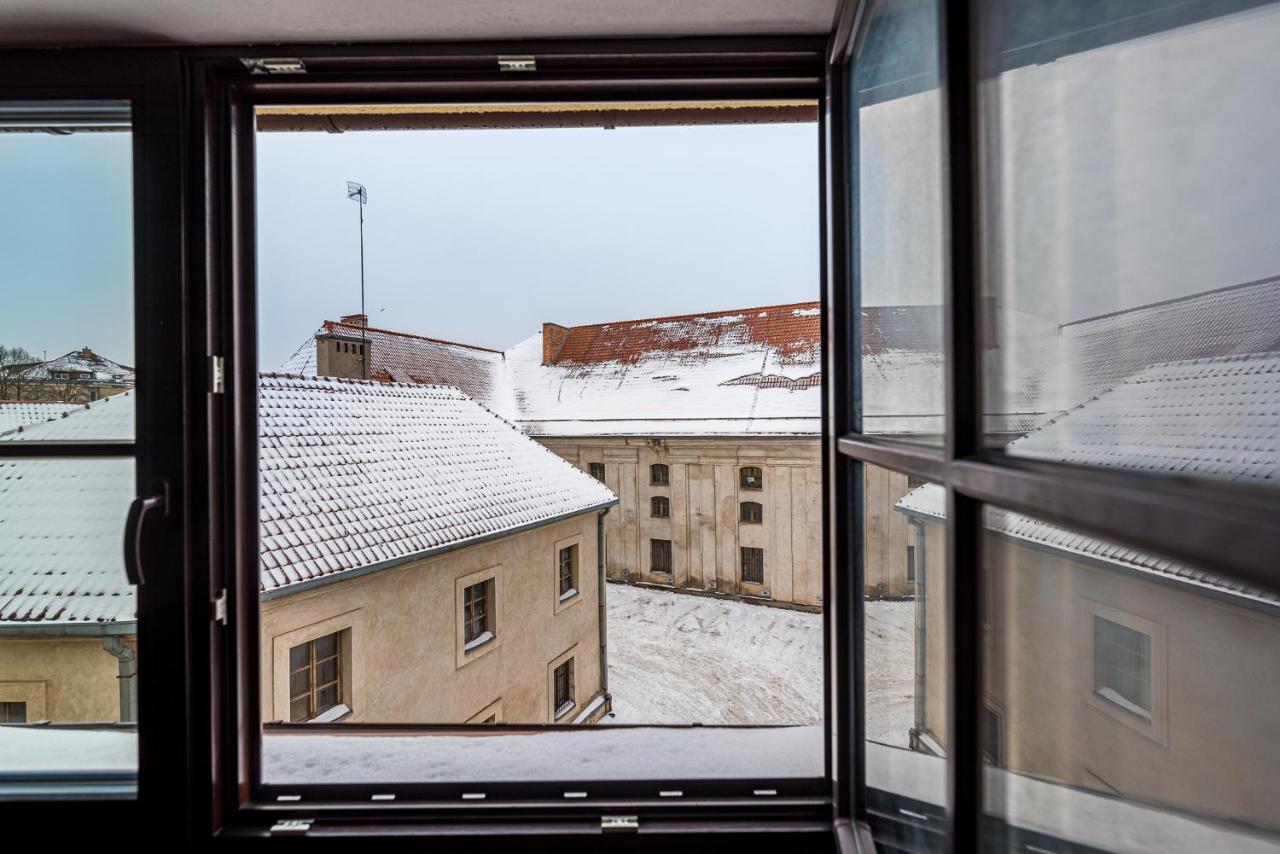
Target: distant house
79,377
706,426
424,563
1096,652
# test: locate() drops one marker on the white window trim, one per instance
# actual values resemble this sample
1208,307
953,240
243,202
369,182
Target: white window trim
1154,724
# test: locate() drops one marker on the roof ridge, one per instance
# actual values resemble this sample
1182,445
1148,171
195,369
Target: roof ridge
720,313
1171,301
369,383
332,323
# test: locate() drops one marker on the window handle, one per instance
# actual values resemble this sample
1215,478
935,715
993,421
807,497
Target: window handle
156,504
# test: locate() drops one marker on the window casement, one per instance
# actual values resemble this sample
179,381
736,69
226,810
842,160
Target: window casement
567,572
751,512
660,556
752,565
13,713
596,470
750,477
315,678
1122,666
992,735
563,699
660,507
477,608
659,474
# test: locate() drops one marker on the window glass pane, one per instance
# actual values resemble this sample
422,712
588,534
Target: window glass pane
1129,700
68,621
906,650
897,220
1132,305
66,237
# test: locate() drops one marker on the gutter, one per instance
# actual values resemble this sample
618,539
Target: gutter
37,629
128,667
603,620
311,583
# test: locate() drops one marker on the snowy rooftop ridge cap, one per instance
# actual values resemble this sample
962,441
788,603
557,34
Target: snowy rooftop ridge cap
700,315
331,325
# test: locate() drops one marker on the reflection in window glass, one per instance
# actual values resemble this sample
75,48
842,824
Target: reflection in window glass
1125,692
905,650
896,113
68,621
1133,290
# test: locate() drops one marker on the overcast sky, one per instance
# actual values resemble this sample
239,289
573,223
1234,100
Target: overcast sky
480,236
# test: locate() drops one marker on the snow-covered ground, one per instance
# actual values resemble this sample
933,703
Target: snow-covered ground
676,658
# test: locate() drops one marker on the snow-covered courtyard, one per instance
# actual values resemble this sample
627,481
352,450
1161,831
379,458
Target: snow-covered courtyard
676,658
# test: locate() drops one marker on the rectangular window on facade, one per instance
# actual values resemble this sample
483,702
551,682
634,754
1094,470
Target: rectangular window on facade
751,512
13,713
477,605
1122,666
597,471
659,474
911,564
660,507
751,477
564,699
568,571
752,565
992,737
315,678
660,556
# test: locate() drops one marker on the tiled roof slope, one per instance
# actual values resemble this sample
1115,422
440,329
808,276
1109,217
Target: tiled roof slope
400,357
83,364
22,413
1216,418
112,421
1231,321
352,474
358,473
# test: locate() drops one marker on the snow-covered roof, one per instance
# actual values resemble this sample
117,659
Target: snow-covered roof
361,473
20,413
1216,418
401,357
112,421
82,365
353,475
1101,351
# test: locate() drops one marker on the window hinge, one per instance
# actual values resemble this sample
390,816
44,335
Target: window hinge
619,823
217,374
517,63
292,826
274,65
220,607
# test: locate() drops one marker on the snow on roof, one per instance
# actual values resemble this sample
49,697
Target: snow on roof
1225,322
360,473
112,421
21,413
352,474
1215,418
83,365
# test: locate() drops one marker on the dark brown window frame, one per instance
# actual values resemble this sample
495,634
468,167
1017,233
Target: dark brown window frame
751,559
596,470
659,474
660,507
314,687
567,570
750,513
660,556
565,698
745,478
477,613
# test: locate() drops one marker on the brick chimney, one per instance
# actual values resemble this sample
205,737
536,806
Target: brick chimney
553,338
355,319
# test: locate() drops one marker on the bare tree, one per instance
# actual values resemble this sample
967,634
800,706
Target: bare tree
15,364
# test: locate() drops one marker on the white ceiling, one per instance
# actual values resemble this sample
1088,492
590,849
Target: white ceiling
157,22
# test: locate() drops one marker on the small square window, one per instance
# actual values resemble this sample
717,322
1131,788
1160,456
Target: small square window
564,696
659,474
1122,666
568,571
597,471
751,477
315,678
660,556
660,507
751,512
752,565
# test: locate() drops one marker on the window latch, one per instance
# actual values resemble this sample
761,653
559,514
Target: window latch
620,823
274,65
220,607
517,63
291,827
217,374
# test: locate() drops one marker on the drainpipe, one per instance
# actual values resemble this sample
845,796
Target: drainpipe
604,616
128,667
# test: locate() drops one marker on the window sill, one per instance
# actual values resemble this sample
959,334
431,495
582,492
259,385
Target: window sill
569,594
565,708
333,715
1116,699
477,642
